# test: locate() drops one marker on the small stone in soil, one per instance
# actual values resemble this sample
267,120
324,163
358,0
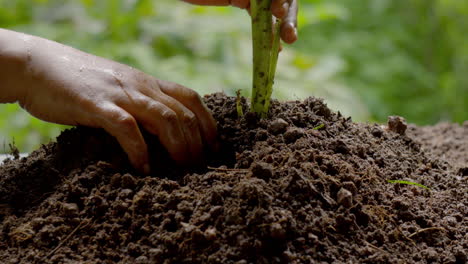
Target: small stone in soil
376,132
210,234
70,209
397,124
278,126
128,181
262,170
293,134
344,197
349,185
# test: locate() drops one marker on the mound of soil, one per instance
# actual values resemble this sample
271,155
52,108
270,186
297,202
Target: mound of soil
304,186
445,141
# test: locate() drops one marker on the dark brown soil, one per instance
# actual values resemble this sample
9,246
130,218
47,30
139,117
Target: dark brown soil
445,141
305,186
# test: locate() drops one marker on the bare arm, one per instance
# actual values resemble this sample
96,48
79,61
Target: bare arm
13,57
60,84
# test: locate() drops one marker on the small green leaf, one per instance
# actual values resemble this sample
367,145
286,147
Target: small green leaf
409,183
319,127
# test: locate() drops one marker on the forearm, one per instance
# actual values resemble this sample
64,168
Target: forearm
13,60
209,2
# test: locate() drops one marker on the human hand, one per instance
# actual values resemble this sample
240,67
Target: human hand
286,10
67,86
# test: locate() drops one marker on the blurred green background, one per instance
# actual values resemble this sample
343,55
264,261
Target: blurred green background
367,58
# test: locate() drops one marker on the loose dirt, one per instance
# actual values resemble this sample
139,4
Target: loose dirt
307,185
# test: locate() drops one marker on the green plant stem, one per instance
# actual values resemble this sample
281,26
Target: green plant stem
273,63
265,55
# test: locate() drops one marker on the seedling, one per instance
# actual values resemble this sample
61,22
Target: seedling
409,183
319,127
266,44
240,112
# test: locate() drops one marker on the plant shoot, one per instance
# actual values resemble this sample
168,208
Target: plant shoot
266,44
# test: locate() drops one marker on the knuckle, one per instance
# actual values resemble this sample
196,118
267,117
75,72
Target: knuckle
170,116
125,121
190,120
192,96
145,103
154,106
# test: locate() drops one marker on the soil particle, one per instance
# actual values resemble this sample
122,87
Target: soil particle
377,131
344,197
278,126
70,209
262,170
293,134
314,190
397,124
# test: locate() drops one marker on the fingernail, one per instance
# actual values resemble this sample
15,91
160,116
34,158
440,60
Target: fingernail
146,169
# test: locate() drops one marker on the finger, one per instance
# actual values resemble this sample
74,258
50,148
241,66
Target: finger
193,101
279,8
189,124
240,3
190,127
289,26
160,120
123,126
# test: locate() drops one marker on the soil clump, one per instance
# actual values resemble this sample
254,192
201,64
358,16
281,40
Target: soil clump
306,185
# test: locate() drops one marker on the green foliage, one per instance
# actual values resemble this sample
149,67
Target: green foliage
367,58
404,57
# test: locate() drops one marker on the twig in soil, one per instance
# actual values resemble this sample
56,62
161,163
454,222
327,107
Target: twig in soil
405,237
375,247
223,169
425,230
323,196
81,225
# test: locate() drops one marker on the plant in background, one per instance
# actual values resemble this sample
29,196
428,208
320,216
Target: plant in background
266,44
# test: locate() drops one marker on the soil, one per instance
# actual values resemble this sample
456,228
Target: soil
306,185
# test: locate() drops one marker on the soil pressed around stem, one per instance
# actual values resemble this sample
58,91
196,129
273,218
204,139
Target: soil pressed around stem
306,185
